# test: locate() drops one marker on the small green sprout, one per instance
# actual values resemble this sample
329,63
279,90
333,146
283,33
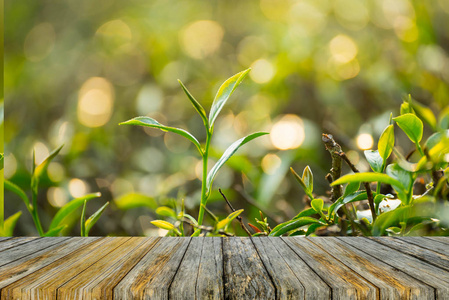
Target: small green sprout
222,96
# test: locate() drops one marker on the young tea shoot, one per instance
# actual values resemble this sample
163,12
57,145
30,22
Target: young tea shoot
222,96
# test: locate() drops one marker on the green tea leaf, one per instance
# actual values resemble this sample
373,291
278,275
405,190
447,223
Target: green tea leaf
386,142
367,177
83,219
150,122
352,187
374,159
411,125
225,222
163,224
166,212
292,225
404,177
18,191
70,208
317,204
425,114
227,154
406,108
443,118
40,169
313,227
197,105
307,177
302,183
223,94
389,219
94,218
357,196
10,224
55,231
134,200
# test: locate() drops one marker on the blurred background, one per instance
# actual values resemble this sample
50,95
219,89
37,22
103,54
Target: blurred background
74,69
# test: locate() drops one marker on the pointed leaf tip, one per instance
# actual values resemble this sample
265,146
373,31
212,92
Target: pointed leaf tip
223,94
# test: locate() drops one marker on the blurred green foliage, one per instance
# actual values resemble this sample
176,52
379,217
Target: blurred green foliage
74,69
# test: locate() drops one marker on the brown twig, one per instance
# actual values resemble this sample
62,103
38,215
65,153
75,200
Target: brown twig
239,218
335,171
369,193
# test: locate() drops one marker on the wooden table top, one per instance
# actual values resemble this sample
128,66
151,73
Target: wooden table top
224,268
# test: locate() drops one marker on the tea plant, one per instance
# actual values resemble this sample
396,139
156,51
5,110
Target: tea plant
414,214
59,221
222,96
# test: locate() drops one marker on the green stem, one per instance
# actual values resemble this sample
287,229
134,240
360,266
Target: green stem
418,146
35,216
204,193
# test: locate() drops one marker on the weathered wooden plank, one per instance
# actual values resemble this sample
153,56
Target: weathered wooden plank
209,283
98,280
203,264
152,276
441,239
429,274
244,272
184,283
391,282
13,242
28,248
344,282
102,287
3,238
292,278
405,246
43,283
430,244
35,261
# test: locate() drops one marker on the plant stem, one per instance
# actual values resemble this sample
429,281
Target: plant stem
239,218
35,215
420,150
204,192
335,172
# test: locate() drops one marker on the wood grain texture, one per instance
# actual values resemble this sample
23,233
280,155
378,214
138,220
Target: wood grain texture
344,282
35,261
98,280
293,278
200,275
184,283
28,248
224,268
152,276
244,272
436,246
392,283
44,283
13,242
429,256
209,284
416,268
440,239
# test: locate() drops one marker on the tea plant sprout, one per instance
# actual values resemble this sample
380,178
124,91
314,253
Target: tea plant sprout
61,220
222,96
